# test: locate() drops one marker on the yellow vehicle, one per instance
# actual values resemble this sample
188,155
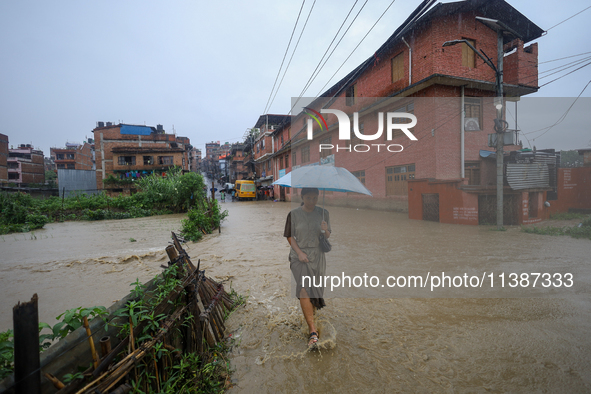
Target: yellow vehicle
245,189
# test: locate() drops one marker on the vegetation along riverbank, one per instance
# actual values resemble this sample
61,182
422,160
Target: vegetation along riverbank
175,193
576,225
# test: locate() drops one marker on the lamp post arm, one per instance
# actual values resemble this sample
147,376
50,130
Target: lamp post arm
485,59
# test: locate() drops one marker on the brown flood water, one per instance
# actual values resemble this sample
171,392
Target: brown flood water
371,341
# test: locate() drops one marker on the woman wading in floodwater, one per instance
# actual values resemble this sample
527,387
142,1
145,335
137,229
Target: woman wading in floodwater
302,229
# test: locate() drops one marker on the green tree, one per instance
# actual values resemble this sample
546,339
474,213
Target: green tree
51,178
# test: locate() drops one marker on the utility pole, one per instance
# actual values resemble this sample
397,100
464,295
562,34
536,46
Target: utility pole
500,127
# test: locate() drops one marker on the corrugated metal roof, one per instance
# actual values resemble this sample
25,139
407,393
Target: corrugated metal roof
528,176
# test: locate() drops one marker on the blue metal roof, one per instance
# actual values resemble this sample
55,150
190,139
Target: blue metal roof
137,130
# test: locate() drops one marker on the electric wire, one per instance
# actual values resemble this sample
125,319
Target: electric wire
316,70
565,66
562,58
562,76
284,56
293,53
568,19
561,119
354,49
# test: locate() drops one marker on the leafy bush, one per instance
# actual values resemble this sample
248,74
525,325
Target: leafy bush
201,221
34,221
111,180
6,353
176,191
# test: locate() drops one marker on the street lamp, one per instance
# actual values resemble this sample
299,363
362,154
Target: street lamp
500,28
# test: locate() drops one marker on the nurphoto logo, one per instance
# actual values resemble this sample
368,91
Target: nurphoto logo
392,119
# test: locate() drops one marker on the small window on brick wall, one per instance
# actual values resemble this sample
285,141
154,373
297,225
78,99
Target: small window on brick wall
165,160
306,154
350,95
126,160
472,172
397,67
473,114
468,55
360,175
325,152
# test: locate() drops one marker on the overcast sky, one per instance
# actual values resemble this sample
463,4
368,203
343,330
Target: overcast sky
206,69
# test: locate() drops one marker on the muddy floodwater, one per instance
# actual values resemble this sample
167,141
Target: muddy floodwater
472,339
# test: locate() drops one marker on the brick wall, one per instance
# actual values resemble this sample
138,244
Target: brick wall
455,206
84,157
521,66
33,172
3,158
574,190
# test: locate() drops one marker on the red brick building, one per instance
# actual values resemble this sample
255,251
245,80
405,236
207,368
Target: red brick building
237,170
26,165
3,158
441,174
73,157
195,160
264,147
132,151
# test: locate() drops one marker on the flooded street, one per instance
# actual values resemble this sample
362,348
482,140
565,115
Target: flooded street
371,339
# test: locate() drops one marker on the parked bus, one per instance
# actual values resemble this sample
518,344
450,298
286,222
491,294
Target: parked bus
245,189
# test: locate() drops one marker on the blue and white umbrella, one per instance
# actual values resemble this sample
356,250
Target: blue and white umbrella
336,179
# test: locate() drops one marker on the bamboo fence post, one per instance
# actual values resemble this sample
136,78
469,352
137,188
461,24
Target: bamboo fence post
27,373
208,332
206,317
132,342
172,254
216,318
91,343
156,370
56,382
105,346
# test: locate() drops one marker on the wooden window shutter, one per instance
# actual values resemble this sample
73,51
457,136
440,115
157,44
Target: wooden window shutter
397,67
468,59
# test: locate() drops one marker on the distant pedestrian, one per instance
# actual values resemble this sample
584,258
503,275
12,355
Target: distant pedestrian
223,195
